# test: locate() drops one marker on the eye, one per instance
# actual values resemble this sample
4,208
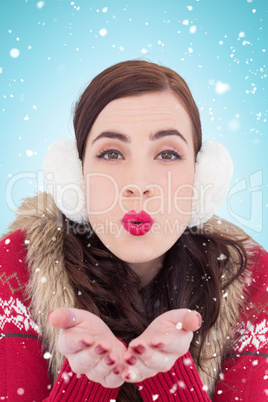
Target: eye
110,154
169,155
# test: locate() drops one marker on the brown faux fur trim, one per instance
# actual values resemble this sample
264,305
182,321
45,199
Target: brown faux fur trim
49,286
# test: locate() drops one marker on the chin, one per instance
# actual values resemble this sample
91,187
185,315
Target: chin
137,256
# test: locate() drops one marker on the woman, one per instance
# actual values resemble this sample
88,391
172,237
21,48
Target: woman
123,268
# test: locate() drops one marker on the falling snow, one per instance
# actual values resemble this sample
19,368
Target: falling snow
173,389
193,29
187,361
14,53
40,4
47,355
103,32
221,87
66,377
179,325
222,257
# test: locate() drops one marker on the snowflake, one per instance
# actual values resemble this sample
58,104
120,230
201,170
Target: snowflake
253,335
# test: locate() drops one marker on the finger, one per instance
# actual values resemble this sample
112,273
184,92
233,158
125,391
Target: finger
112,380
92,363
103,368
67,317
139,367
136,373
136,346
145,361
175,342
191,321
72,341
135,367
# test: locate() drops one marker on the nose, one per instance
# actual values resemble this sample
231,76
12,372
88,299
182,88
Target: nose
138,182
134,196
134,190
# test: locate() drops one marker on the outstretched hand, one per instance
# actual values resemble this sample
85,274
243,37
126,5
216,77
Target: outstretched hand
93,350
89,345
166,339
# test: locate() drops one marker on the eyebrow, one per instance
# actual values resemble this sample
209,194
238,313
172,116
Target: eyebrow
125,138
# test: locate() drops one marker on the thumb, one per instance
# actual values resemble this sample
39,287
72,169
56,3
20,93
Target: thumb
65,317
191,321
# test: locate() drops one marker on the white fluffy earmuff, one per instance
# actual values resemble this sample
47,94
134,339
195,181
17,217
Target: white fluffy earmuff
63,173
65,182
213,174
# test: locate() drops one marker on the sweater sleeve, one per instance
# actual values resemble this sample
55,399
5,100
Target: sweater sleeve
23,368
244,374
24,372
180,383
76,387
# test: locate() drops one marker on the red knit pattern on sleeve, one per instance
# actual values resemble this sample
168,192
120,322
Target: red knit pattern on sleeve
74,387
180,383
245,371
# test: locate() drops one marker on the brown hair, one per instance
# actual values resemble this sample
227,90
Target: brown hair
130,78
106,285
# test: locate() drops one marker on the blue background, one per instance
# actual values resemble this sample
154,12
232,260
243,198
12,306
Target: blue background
219,47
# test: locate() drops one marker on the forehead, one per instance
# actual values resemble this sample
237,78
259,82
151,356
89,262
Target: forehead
159,109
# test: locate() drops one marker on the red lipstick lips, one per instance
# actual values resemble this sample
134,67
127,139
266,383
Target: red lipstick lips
137,223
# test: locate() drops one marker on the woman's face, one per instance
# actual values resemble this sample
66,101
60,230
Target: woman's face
140,157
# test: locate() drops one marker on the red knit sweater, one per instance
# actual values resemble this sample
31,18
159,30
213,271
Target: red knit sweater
24,369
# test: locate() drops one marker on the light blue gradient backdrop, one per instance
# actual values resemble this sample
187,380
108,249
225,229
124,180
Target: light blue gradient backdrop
61,50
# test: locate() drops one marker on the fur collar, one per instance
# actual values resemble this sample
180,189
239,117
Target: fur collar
49,286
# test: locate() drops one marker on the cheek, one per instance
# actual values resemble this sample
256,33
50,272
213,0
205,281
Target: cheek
101,193
183,192
183,198
179,190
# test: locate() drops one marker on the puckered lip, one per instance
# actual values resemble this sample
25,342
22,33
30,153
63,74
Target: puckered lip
137,217
137,223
